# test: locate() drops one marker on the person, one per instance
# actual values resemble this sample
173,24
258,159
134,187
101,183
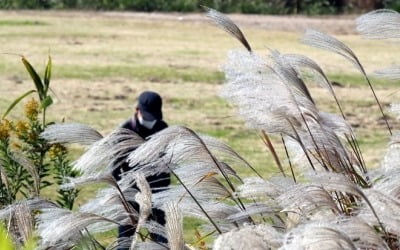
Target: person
147,120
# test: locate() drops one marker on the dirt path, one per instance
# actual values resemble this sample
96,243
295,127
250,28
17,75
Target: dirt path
330,24
344,24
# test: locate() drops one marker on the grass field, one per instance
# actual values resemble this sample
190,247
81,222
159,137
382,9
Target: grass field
102,61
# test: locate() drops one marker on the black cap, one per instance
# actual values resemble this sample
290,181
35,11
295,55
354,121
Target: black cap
150,104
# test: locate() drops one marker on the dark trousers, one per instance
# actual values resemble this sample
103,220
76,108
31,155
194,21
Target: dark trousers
127,231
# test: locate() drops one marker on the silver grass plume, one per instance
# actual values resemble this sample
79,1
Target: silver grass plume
392,73
261,96
255,187
3,176
327,150
71,133
156,228
150,245
218,147
335,182
323,41
96,161
107,203
288,104
339,233
194,174
255,209
379,24
203,191
388,208
363,235
33,204
74,182
23,221
19,217
315,236
215,208
228,25
339,183
174,226
261,236
386,181
300,61
395,108
174,146
208,192
336,123
218,211
283,68
391,160
143,198
307,200
60,226
171,149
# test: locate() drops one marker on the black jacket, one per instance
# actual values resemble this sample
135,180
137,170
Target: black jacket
156,182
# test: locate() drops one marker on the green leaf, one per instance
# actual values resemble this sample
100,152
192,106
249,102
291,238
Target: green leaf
35,77
46,102
47,76
5,241
16,101
30,244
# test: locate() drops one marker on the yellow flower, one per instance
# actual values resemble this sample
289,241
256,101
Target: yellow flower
32,137
5,128
56,150
21,128
32,109
16,145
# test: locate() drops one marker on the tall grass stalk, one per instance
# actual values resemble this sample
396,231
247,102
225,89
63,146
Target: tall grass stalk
330,200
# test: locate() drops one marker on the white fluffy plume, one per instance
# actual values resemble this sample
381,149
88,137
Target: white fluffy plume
379,24
71,133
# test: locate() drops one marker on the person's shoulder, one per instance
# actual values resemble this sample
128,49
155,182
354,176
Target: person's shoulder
124,124
163,124
160,125
127,124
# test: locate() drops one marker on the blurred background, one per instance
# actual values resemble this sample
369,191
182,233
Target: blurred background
308,7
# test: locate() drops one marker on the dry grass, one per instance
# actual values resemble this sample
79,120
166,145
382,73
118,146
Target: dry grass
103,60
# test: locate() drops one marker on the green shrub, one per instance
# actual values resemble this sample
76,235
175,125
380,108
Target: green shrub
28,162
392,4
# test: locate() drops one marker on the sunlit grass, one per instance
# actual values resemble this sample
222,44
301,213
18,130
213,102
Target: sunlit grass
101,64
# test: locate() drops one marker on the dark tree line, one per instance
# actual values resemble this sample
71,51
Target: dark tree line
310,7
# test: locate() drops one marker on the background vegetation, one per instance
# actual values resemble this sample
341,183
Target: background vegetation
310,7
99,70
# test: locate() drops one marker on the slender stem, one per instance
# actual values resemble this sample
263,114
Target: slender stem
302,145
195,200
269,145
44,118
376,98
288,157
217,164
125,204
128,209
94,241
